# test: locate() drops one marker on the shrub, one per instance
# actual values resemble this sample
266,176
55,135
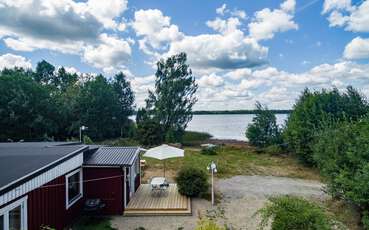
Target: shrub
192,181
342,155
87,140
288,212
206,224
264,130
313,110
209,150
273,150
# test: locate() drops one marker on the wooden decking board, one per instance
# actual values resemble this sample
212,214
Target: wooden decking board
144,203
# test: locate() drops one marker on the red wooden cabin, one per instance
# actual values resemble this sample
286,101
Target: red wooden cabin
47,183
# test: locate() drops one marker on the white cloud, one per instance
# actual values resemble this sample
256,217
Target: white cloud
330,5
343,14
221,10
267,22
358,48
155,28
211,80
110,55
10,61
66,26
227,49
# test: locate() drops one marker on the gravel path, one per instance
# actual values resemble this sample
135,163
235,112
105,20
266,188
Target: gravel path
242,196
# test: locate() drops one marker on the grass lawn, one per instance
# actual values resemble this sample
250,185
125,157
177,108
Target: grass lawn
235,160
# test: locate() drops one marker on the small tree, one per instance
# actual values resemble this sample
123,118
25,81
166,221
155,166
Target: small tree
264,130
170,104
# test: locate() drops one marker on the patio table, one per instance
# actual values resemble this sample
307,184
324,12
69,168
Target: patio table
159,184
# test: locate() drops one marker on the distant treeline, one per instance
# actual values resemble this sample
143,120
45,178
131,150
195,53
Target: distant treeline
275,111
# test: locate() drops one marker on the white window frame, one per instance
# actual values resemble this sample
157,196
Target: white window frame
5,213
67,204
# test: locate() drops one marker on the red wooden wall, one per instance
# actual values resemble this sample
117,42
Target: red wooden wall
110,191
46,206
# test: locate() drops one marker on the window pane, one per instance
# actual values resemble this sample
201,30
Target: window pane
15,219
1,222
73,187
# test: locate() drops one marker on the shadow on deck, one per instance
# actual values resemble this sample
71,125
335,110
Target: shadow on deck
146,203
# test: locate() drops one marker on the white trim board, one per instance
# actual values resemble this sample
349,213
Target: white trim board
44,178
67,204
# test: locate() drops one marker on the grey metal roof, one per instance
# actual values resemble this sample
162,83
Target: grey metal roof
20,159
113,156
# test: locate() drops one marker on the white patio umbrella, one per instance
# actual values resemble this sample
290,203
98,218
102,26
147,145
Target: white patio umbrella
163,152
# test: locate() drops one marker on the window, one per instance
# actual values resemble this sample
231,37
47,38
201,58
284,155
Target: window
14,216
15,220
74,188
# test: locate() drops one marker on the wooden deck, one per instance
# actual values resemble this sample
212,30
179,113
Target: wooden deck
144,202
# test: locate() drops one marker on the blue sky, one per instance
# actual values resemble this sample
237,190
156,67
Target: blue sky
241,51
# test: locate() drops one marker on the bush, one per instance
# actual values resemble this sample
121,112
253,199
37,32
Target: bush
205,224
273,150
209,150
264,130
87,140
288,212
342,154
313,110
192,181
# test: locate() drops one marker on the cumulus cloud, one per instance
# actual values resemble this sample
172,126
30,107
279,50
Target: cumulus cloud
64,26
155,28
111,54
10,61
277,88
358,48
267,22
228,48
211,80
341,13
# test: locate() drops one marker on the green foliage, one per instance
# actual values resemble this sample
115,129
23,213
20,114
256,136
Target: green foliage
193,138
206,224
264,130
342,155
170,104
27,110
209,150
87,140
53,104
149,132
273,150
291,213
192,181
315,109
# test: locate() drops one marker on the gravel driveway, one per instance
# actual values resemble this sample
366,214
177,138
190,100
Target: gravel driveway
242,196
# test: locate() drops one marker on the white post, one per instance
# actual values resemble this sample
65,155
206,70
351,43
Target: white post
213,169
212,187
80,134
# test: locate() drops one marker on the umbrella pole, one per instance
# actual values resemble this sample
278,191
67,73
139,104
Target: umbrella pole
164,168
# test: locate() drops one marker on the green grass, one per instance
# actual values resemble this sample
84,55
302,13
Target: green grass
93,223
232,160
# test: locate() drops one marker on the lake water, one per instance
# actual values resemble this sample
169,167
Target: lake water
226,126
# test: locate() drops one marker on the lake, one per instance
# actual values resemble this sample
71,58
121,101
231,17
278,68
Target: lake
226,126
